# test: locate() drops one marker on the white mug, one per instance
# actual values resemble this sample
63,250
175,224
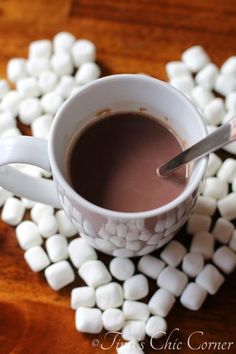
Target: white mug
118,233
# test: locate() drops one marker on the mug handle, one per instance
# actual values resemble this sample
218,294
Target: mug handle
28,150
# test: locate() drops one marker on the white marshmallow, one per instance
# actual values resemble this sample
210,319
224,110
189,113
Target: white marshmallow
47,81
231,148
88,320
94,273
16,69
39,210
161,302
136,287
131,347
214,111
109,296
193,296
28,203
63,42
83,51
62,64
183,83
47,225
233,186
7,121
28,235
225,83
192,264
207,76
80,252
225,259
41,126
201,96
29,109
226,206
173,253
133,330
173,280
36,65
11,102
223,230
4,195
121,268
176,69
113,319
36,258
205,206
51,102
156,327
83,296
13,211
197,223
65,86
150,266
227,172
57,248
232,243
135,310
40,48
228,117
65,226
211,129
203,243
4,88
229,66
10,132
210,279
230,101
195,58
87,72
28,87
59,275
215,188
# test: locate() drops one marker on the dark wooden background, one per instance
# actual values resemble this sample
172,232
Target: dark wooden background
131,36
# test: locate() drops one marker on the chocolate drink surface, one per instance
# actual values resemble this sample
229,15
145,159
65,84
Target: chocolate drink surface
112,163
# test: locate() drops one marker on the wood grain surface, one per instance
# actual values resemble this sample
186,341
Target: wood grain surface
131,36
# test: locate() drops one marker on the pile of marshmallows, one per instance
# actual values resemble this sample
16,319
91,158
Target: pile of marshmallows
112,295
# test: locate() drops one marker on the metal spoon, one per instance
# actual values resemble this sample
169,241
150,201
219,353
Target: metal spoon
222,136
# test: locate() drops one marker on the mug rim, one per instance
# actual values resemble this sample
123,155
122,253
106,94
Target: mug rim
188,190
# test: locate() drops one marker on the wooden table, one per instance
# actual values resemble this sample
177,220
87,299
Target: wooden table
131,36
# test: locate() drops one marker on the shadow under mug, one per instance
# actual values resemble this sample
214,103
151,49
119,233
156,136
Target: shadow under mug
117,233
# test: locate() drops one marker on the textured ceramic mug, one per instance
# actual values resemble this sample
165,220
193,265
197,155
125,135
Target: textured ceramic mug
117,233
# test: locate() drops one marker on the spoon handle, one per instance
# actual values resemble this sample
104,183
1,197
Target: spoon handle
222,136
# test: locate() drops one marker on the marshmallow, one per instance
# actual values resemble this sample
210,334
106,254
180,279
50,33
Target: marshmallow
227,172
206,77
228,117
109,296
28,235
36,258
136,287
133,330
63,42
65,86
13,211
88,320
51,102
201,96
39,210
215,188
59,275
150,266
214,164
40,48
176,69
231,148
225,83
135,310
47,225
173,280
173,253
4,88
229,66
205,206
61,64
7,121
193,296
65,226
226,206
161,302
47,81
28,203
230,101
83,51
29,109
11,102
203,243
195,58
94,273
225,259
41,126
214,111
4,195
131,347
210,279
80,252
183,83
16,69
28,87
87,72
223,230
36,65
10,132
121,268
211,129
197,223
83,296
232,243
156,327
57,248
113,319
192,264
